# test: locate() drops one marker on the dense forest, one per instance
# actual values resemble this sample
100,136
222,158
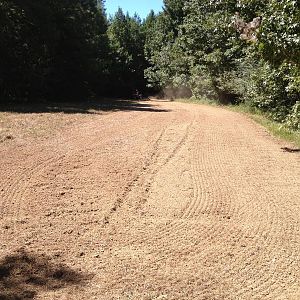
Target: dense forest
234,51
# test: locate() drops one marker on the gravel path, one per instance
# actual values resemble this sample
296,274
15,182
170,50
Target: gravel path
162,201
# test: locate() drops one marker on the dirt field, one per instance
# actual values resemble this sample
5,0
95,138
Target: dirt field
154,200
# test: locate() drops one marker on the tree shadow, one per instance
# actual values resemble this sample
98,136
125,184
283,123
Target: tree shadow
87,107
23,275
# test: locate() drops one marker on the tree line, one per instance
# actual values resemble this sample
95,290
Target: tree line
68,49
230,50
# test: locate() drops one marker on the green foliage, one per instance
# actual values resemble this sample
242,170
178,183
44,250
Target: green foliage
293,119
279,39
232,51
270,91
50,49
211,45
168,65
127,40
20,50
197,45
275,85
173,10
249,9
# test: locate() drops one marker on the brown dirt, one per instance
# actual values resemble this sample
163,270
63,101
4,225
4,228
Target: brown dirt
162,201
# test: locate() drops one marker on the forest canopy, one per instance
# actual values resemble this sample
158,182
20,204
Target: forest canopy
232,51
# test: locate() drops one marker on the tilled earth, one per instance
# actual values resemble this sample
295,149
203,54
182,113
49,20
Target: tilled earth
161,200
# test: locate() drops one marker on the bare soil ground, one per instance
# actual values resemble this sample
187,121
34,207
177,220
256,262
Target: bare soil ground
155,200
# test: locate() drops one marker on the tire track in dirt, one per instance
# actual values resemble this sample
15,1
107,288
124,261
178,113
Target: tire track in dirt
13,190
170,232
212,173
210,212
32,169
161,156
244,255
151,158
196,209
271,229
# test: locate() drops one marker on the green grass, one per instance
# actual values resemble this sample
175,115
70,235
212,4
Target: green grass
275,128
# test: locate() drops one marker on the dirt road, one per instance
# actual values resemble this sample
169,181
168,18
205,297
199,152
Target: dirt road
160,200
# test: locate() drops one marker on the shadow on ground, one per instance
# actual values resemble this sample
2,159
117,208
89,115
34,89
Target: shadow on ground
87,107
291,150
23,275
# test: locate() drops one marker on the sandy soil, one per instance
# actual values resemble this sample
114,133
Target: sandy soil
161,200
